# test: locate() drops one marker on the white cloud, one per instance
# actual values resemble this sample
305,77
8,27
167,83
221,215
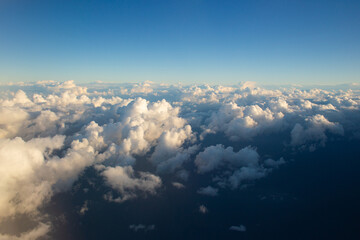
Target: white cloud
124,181
178,185
48,138
315,131
215,156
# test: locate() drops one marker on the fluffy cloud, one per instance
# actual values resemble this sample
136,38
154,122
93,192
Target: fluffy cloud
315,131
239,167
215,156
30,173
124,181
178,185
49,137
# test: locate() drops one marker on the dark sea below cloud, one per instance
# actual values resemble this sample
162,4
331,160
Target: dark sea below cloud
314,196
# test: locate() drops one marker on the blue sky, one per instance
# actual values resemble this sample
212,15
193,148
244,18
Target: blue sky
270,42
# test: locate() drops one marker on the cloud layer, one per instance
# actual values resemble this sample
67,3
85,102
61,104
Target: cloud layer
137,135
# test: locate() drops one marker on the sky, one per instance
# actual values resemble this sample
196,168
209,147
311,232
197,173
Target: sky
227,42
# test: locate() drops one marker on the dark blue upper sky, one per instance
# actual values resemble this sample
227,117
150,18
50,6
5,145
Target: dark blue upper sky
198,41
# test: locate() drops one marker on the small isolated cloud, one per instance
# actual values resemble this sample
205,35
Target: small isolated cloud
203,209
178,185
240,228
126,183
142,227
274,163
84,208
209,191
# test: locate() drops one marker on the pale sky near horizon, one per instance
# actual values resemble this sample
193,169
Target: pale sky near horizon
215,42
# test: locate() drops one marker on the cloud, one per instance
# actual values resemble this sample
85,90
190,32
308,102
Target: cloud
240,228
203,209
124,181
24,185
39,231
50,132
274,163
84,208
178,185
243,122
215,156
315,131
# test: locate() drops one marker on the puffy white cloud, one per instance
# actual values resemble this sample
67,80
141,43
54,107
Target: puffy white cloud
22,186
316,127
239,122
215,156
29,173
240,166
48,137
124,181
178,185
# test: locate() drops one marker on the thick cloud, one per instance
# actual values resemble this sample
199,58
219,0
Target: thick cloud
239,167
30,173
123,180
139,136
316,127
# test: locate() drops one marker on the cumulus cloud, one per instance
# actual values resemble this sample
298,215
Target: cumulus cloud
30,174
215,156
50,136
239,167
123,180
315,131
